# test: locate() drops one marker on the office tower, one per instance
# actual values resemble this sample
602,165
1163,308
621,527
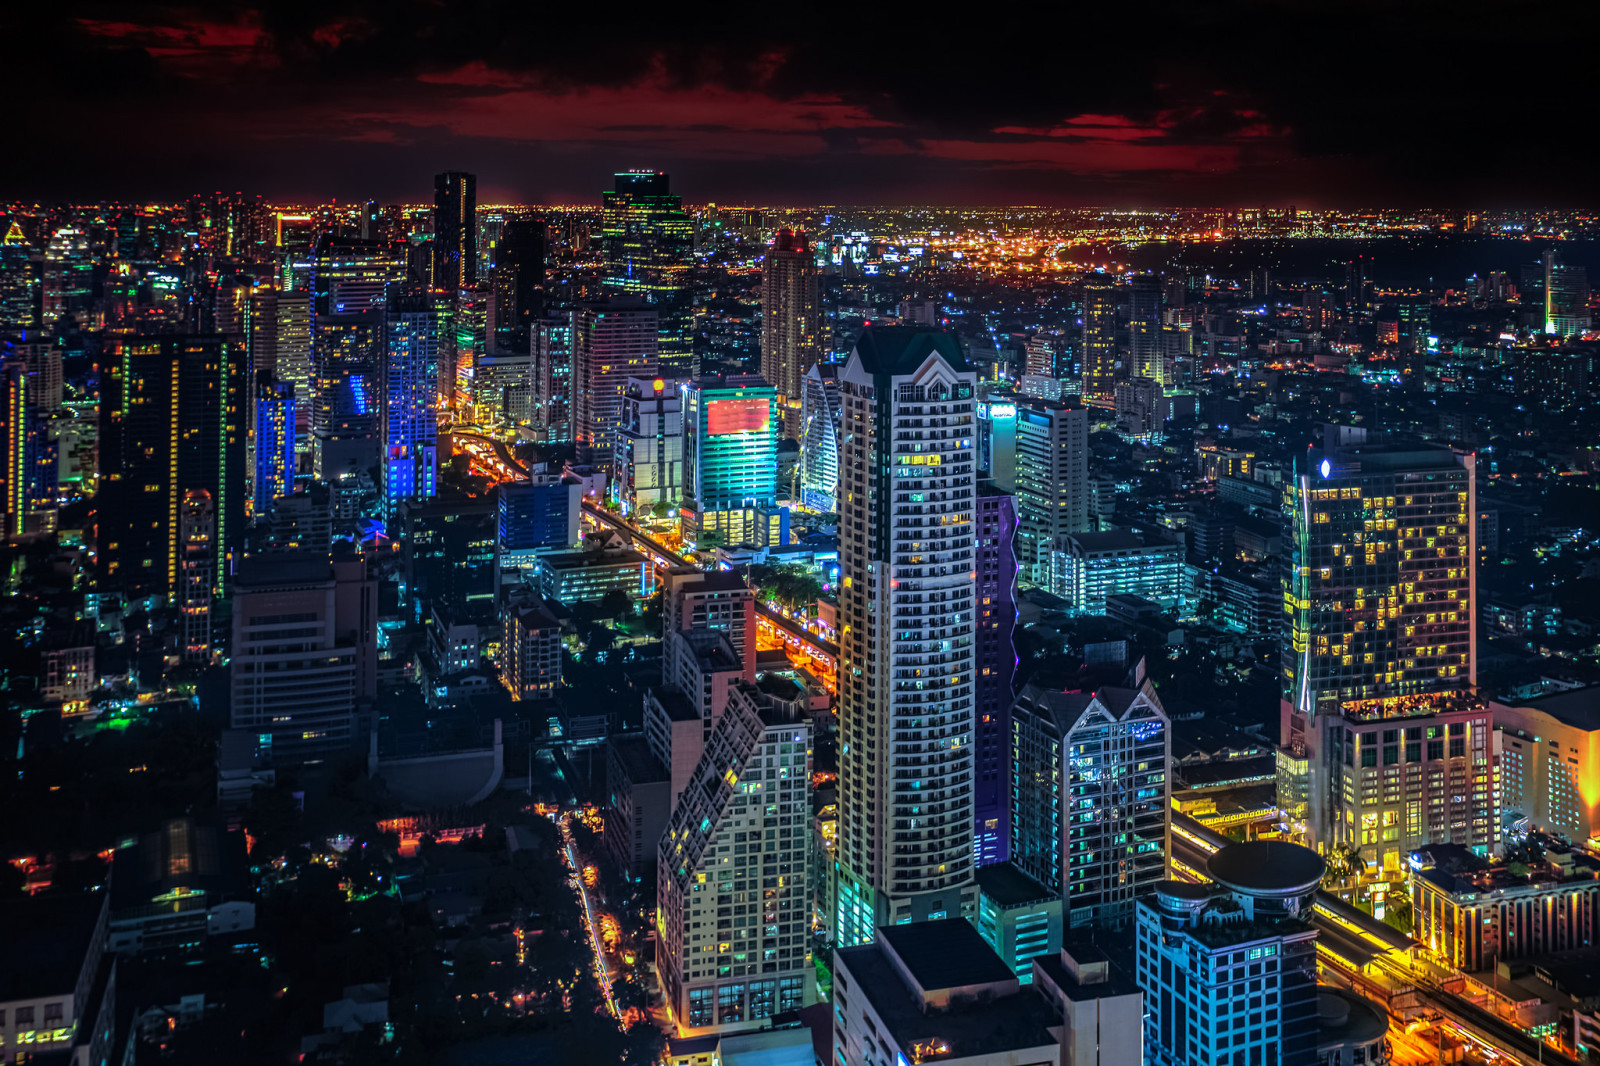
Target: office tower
1566,296
410,426
1091,797
1141,407
271,447
530,647
67,291
1088,568
304,653
173,417
717,601
280,343
730,459
734,873
349,290
612,342
21,282
372,221
1052,480
1144,329
518,283
1229,969
935,992
30,475
997,441
536,515
1381,619
906,721
230,225
819,438
996,612
649,465
791,322
1099,338
550,379
197,573
455,231
649,246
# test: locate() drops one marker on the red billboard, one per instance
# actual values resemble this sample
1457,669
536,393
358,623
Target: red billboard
727,417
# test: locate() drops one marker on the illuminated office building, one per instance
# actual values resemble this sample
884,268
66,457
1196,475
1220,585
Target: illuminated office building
174,414
30,477
1145,350
550,378
271,448
410,427
791,322
1377,718
649,465
455,231
1099,338
1549,753
819,438
1566,296
733,874
906,684
649,246
280,342
612,342
1086,568
730,458
1051,464
1091,796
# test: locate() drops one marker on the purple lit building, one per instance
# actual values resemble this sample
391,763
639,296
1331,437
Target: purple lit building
996,596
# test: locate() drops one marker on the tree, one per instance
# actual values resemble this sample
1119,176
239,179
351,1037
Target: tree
616,604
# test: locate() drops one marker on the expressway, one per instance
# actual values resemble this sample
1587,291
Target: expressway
1381,960
820,649
500,462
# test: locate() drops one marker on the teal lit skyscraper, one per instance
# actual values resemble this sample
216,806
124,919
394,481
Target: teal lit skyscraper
649,244
730,462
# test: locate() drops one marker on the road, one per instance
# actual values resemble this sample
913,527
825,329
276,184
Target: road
602,970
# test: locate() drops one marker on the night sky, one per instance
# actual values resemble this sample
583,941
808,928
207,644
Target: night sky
1118,103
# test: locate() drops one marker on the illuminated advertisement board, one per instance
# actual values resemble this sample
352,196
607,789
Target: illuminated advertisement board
727,417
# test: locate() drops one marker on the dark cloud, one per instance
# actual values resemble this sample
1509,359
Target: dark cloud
1354,102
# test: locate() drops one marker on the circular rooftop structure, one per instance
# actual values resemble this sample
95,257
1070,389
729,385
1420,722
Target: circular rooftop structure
1267,868
1345,1019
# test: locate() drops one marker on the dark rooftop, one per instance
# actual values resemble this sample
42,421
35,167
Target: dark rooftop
1267,866
45,943
1579,708
1009,886
948,953
637,760
901,349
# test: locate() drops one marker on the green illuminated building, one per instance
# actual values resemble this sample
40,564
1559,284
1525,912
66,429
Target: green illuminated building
649,244
730,459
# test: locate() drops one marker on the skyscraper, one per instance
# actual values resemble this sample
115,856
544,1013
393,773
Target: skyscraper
1381,617
280,343
996,613
1052,481
907,701
819,437
1566,296
1144,330
1091,796
1099,338
550,374
730,457
791,322
455,231
649,466
612,342
649,245
271,448
30,389
410,428
173,417
735,947
1229,969
518,282
197,529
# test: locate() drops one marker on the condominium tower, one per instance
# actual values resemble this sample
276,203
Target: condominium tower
791,322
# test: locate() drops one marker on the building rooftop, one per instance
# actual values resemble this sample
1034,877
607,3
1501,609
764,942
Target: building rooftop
1084,970
47,938
1267,866
1009,886
991,1025
901,349
1455,869
1114,540
181,858
1345,1019
1579,708
633,753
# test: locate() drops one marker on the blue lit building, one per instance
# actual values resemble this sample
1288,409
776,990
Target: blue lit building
272,459
537,515
410,424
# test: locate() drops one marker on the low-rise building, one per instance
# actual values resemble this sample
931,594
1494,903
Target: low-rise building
586,576
530,646
57,981
1018,917
179,885
1475,914
1549,748
1085,568
935,991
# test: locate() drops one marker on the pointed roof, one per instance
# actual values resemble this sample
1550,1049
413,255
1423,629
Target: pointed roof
902,349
